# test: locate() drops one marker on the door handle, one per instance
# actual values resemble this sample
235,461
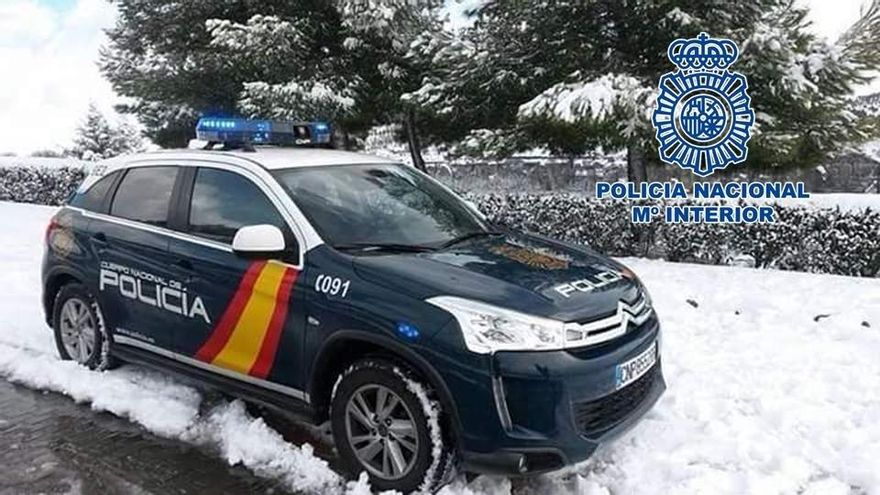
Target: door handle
184,264
99,240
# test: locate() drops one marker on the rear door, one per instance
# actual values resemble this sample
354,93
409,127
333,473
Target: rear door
256,318
136,286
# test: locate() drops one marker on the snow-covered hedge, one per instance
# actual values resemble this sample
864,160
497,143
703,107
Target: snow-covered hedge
821,240
41,185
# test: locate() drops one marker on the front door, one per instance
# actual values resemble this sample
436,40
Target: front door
254,322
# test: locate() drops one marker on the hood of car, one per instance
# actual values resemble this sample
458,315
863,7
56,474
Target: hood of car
523,272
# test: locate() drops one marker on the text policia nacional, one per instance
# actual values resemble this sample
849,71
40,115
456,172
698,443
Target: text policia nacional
708,192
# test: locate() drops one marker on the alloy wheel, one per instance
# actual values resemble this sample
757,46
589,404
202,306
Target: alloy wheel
78,330
381,431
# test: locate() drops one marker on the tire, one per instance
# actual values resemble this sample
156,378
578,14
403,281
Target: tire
414,451
78,325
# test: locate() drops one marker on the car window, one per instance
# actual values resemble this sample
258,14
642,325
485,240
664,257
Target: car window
144,195
377,204
93,198
223,201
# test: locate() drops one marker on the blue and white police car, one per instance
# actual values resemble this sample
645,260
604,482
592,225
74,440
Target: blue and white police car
351,290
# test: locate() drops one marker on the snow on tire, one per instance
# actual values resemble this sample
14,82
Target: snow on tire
80,332
386,422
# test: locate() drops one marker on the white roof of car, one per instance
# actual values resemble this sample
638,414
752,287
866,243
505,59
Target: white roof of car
269,157
275,158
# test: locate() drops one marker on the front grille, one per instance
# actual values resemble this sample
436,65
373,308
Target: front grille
610,327
595,417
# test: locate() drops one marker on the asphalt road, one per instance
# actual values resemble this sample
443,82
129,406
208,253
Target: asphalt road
49,444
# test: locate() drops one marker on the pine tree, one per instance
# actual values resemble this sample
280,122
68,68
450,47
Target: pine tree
162,57
357,81
344,61
96,139
573,75
379,36
287,75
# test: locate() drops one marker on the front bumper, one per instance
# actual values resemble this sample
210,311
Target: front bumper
540,411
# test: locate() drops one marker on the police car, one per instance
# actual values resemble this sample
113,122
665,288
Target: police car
352,291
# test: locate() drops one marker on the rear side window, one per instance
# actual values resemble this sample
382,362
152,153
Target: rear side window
223,202
93,198
144,195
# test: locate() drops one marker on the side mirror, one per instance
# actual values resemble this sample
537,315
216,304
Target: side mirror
258,240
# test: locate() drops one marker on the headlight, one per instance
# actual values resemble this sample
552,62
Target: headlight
488,328
627,273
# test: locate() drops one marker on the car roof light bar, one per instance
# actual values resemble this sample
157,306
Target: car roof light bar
235,133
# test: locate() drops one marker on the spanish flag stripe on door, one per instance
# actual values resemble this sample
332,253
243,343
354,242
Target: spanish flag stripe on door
248,339
266,356
221,333
241,350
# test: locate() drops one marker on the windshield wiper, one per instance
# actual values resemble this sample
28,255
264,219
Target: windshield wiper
372,246
469,235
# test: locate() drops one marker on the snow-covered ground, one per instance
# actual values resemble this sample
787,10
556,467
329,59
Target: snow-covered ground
774,387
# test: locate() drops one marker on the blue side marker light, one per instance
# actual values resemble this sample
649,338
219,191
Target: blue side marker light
407,331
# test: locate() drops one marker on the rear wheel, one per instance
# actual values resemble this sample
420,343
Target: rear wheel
79,329
386,423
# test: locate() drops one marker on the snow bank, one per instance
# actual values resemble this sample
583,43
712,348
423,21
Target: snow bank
774,387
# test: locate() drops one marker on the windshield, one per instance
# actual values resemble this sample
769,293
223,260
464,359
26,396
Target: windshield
384,204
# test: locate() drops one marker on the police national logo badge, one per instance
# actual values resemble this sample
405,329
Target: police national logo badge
703,116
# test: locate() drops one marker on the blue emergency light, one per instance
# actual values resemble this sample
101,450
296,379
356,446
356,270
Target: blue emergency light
244,132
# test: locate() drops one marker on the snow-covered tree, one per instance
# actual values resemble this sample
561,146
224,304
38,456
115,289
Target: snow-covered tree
341,60
97,139
378,36
572,74
162,57
357,80
287,75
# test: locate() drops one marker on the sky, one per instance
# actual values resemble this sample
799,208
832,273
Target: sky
49,50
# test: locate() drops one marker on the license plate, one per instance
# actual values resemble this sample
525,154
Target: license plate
632,370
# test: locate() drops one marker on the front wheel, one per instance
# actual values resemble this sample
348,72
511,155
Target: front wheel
386,423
